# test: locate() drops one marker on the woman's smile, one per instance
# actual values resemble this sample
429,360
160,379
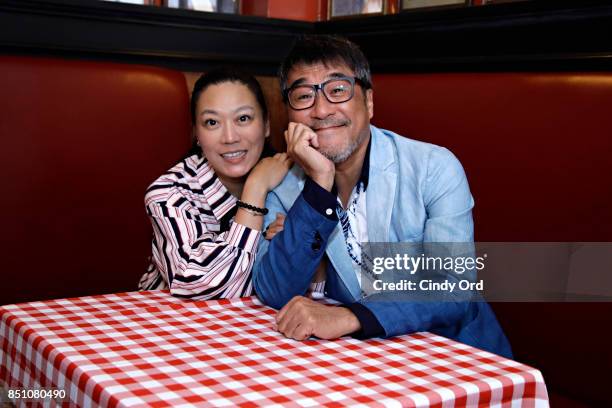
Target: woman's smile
235,156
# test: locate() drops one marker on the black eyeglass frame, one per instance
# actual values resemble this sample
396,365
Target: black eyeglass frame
319,87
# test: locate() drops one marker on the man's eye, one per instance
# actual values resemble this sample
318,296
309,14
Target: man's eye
210,122
304,97
244,118
338,90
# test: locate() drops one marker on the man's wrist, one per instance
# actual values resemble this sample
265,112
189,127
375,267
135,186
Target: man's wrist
325,180
369,326
350,322
321,200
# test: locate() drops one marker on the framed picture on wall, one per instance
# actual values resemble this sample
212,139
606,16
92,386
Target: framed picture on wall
413,4
214,6
348,8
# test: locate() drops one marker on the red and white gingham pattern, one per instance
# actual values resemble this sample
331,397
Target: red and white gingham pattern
148,348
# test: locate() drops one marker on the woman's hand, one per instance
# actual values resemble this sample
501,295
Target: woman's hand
275,227
266,175
269,172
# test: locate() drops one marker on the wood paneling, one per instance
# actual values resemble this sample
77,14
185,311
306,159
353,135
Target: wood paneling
529,35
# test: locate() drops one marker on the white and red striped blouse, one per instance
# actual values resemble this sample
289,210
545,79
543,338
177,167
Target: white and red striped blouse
198,251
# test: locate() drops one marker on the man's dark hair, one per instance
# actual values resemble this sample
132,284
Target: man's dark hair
326,50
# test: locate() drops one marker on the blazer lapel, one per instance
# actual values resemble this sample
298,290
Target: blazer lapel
342,262
380,196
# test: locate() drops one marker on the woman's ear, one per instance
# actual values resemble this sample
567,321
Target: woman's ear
267,129
194,137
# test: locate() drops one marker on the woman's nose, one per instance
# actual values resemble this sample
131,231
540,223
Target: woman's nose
230,135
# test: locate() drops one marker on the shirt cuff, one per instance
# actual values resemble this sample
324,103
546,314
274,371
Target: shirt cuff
370,326
320,199
243,237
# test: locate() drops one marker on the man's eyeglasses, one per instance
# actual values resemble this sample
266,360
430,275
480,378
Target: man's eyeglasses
336,90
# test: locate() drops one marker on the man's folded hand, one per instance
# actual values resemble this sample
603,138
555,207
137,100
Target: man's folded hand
302,318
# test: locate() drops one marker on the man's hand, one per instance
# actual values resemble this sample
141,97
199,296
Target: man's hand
302,144
301,318
276,226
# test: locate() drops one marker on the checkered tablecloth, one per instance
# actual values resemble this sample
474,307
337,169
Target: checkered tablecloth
150,349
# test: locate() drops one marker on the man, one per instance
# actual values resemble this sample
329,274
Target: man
355,183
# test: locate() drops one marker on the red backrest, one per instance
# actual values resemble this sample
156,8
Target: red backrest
535,147
80,143
536,150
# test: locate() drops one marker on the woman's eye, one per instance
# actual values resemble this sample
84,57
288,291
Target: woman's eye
244,118
210,122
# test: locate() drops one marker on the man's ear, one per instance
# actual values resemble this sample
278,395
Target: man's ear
369,100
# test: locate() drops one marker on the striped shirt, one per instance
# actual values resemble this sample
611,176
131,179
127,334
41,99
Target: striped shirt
198,251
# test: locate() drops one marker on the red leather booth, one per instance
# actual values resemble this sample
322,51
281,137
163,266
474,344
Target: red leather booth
536,150
535,147
80,143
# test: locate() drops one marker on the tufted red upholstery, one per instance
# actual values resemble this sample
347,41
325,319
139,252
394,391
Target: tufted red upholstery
536,150
80,143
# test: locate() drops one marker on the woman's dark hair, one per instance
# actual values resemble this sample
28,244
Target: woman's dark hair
219,76
227,74
326,49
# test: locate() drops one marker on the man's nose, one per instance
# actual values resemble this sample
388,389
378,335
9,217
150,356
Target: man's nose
322,108
230,135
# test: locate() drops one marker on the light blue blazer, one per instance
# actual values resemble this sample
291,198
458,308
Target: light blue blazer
417,192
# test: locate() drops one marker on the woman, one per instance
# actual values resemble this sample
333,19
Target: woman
207,211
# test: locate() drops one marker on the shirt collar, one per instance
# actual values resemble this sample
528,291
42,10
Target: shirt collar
222,203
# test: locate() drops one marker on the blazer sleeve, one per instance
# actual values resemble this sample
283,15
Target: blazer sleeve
449,204
198,263
286,265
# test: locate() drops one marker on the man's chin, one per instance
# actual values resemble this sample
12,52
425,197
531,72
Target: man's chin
335,156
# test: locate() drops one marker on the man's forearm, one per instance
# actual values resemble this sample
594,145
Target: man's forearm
286,267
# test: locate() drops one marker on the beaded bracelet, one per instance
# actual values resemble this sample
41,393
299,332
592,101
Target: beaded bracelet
254,210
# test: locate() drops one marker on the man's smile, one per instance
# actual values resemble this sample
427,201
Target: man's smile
328,128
